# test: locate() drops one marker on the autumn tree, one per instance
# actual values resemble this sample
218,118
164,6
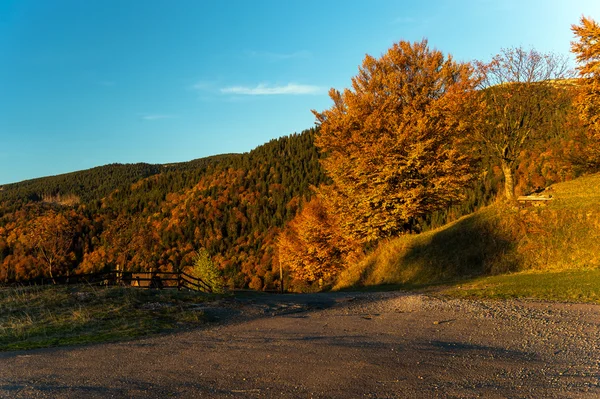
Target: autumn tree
51,237
311,246
587,51
520,91
390,140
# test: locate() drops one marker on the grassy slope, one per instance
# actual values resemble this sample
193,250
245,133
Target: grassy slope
561,238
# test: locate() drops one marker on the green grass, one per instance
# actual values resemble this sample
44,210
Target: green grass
36,317
581,193
562,286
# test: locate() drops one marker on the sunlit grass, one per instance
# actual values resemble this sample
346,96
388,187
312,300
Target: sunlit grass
557,239
470,246
33,317
583,192
563,286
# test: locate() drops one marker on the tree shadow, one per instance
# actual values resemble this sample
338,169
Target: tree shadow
473,246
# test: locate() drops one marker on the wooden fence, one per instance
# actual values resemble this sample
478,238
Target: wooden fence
161,280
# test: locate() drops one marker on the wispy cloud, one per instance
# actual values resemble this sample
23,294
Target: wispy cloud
154,117
270,56
265,90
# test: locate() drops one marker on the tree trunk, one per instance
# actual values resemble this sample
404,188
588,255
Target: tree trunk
509,182
51,275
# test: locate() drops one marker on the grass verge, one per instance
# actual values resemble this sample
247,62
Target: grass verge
36,317
561,286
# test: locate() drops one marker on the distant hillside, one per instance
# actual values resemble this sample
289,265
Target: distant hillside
93,184
564,235
145,217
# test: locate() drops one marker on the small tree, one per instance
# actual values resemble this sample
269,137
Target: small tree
311,245
519,94
205,269
51,237
587,51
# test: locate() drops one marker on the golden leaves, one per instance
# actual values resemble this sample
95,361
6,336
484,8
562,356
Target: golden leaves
587,51
389,140
312,246
587,47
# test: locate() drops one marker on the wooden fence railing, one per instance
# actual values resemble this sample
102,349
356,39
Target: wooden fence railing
161,280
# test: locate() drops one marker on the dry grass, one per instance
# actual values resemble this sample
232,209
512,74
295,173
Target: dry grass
563,236
33,317
581,193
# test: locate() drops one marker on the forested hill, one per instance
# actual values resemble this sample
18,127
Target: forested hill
156,216
92,184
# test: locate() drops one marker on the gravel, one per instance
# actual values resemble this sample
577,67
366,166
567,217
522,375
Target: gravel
336,345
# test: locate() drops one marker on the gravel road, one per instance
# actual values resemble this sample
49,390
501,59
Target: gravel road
336,345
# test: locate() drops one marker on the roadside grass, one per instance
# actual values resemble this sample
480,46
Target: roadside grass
44,316
562,286
574,286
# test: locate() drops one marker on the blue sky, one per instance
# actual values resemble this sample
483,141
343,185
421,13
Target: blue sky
87,83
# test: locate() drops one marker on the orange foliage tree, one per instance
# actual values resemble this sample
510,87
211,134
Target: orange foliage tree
390,141
587,51
311,245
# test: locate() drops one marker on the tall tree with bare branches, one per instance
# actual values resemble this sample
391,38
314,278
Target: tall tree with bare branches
520,91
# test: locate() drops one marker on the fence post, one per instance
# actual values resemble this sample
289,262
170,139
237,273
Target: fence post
280,276
119,275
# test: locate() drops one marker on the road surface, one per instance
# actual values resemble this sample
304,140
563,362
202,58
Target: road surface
335,345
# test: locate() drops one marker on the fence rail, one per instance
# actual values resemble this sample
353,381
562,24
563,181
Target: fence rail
160,280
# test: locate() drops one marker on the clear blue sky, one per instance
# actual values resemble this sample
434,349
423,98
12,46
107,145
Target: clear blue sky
85,83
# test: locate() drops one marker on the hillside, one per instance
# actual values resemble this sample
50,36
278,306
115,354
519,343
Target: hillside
564,235
144,217
92,184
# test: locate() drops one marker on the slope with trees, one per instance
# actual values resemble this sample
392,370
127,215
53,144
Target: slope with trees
392,148
403,145
232,205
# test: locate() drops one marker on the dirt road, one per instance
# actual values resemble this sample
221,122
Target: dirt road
361,345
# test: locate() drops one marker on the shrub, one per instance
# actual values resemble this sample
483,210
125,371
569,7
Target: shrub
205,269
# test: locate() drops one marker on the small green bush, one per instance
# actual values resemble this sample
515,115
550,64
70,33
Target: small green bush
205,269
